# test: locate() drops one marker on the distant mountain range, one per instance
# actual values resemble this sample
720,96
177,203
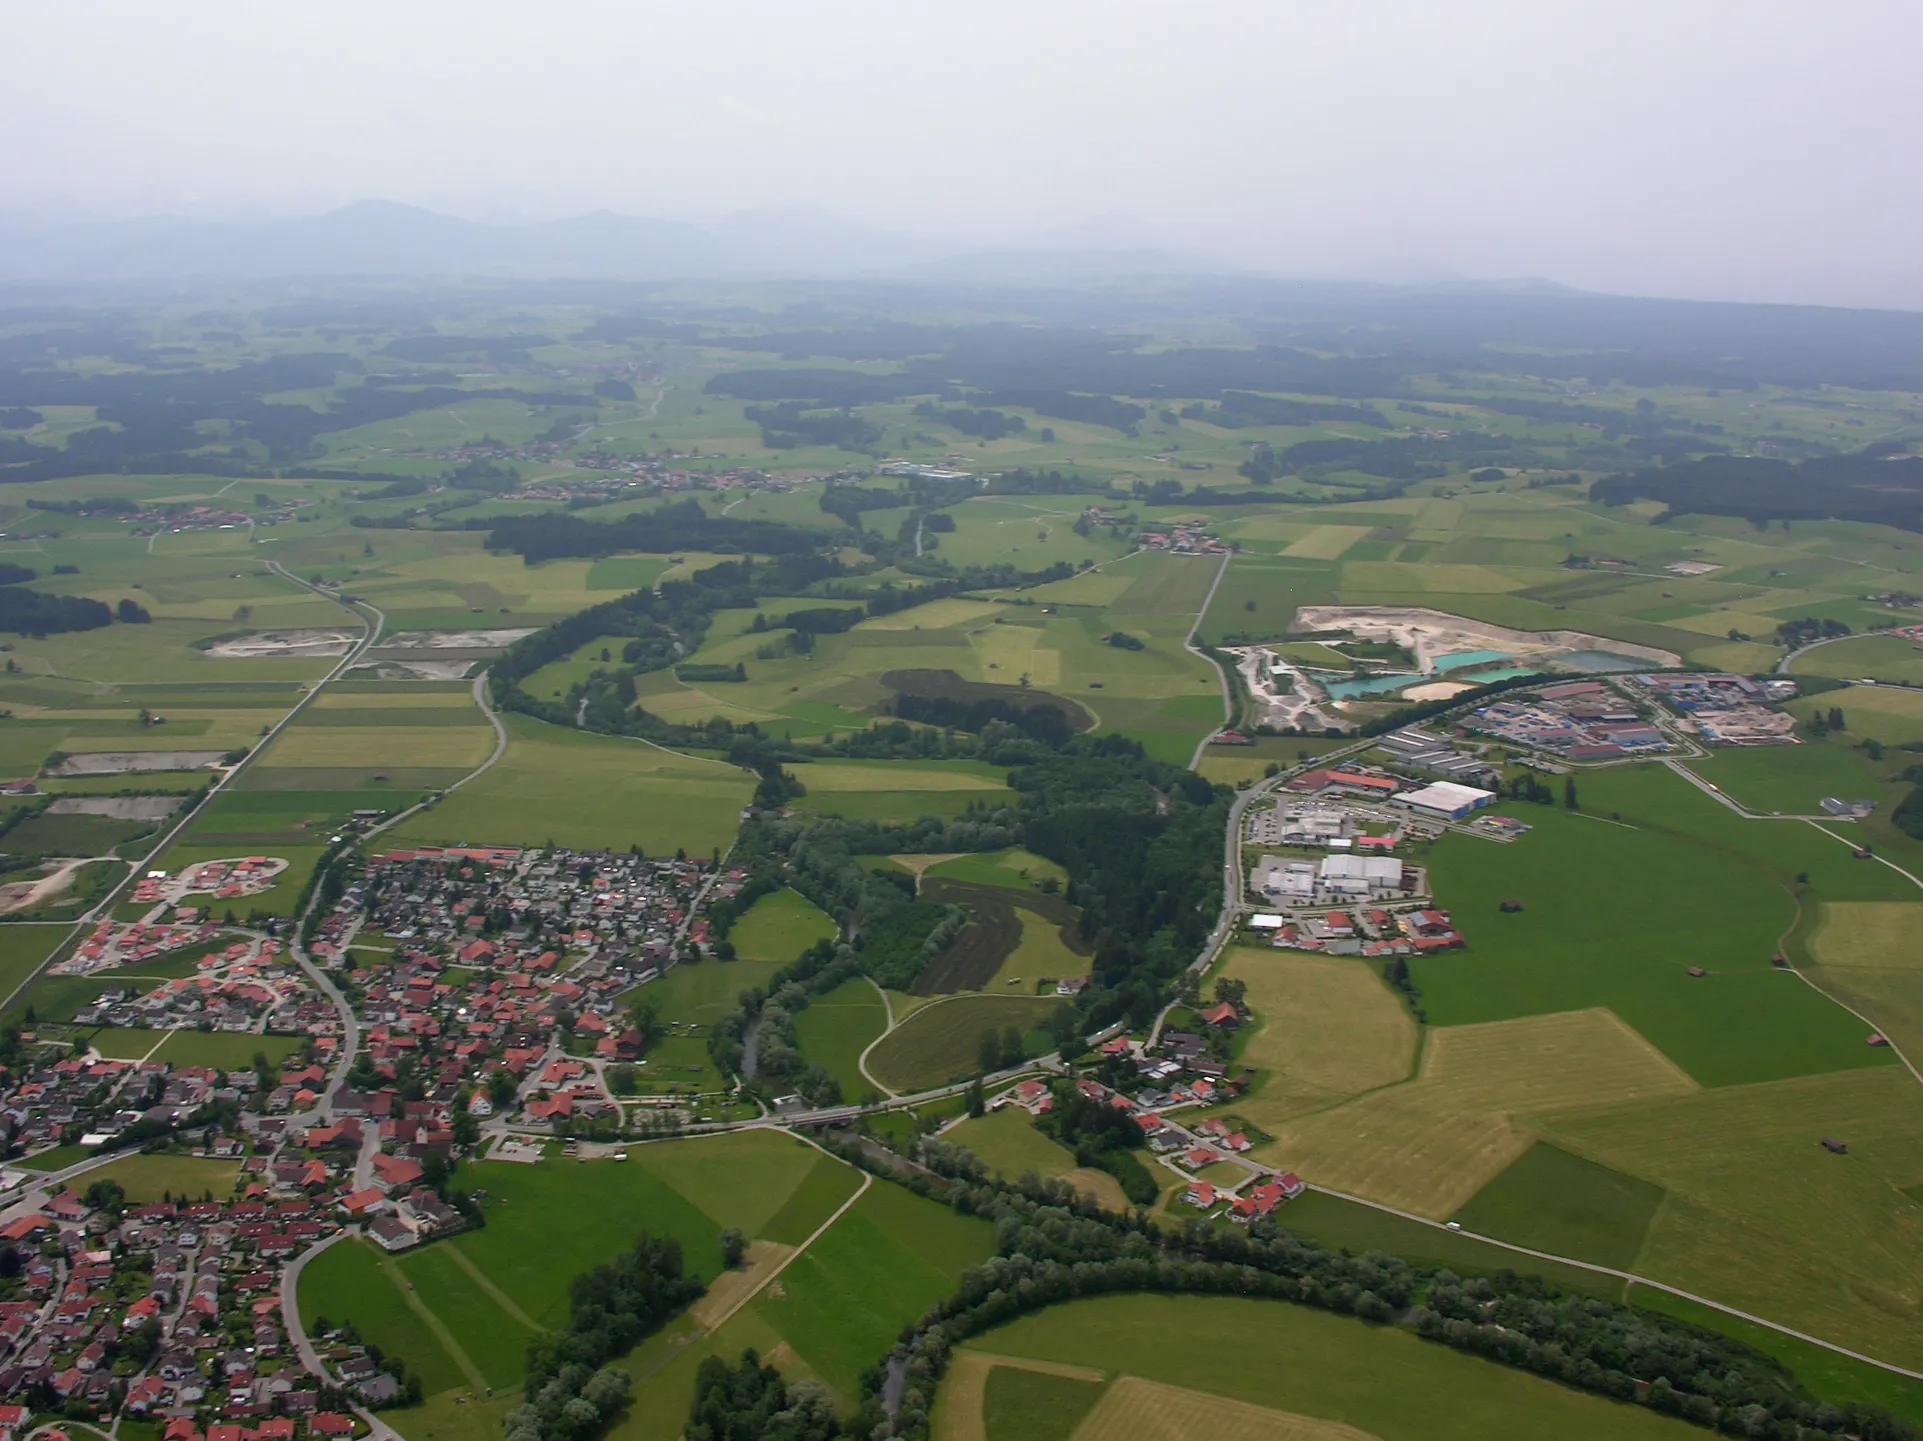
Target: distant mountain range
380,237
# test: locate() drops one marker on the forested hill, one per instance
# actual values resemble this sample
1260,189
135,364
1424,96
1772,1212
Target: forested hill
1871,485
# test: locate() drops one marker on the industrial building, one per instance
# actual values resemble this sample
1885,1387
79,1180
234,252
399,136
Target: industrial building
1446,798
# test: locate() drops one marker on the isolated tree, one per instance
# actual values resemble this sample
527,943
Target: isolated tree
977,1100
1569,793
1836,718
988,1052
1013,1052
734,1247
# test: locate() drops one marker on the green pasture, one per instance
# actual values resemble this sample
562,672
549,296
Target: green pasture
702,992
351,1280
779,927
1007,1141
588,792
837,1028
1353,1226
1889,715
1870,657
222,1050
1020,1405
885,1262
1314,1363
678,1064
486,1290
150,1176
1552,1201
626,572
1617,914
1794,780
1014,868
831,1314
1836,1378
24,948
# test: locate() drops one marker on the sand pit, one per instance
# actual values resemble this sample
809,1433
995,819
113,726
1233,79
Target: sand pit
453,639
1436,690
1435,637
414,670
283,644
114,763
119,808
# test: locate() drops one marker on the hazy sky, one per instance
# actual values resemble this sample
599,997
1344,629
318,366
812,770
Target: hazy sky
1771,149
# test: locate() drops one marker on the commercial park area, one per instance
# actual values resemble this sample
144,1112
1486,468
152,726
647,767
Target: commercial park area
1331,855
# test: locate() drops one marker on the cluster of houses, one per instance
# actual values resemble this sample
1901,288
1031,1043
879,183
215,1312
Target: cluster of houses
166,1311
113,944
161,519
1179,1075
1579,721
626,910
228,879
1725,710
93,1100
1374,933
246,987
1183,540
611,474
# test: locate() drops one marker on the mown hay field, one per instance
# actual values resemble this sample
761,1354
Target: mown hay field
1430,1144
1869,955
1760,1216
1326,1029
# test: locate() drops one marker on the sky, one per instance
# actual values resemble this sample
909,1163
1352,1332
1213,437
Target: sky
1765,150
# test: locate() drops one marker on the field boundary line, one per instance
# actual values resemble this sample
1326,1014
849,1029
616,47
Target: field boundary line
455,1351
888,1011
867,1180
1627,1276
494,1293
1874,1025
1221,675
500,749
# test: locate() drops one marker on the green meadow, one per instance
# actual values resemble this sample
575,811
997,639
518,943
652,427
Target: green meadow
779,927
838,1027
1618,913
589,792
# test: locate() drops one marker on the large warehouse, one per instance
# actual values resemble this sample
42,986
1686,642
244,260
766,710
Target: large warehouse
1446,798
